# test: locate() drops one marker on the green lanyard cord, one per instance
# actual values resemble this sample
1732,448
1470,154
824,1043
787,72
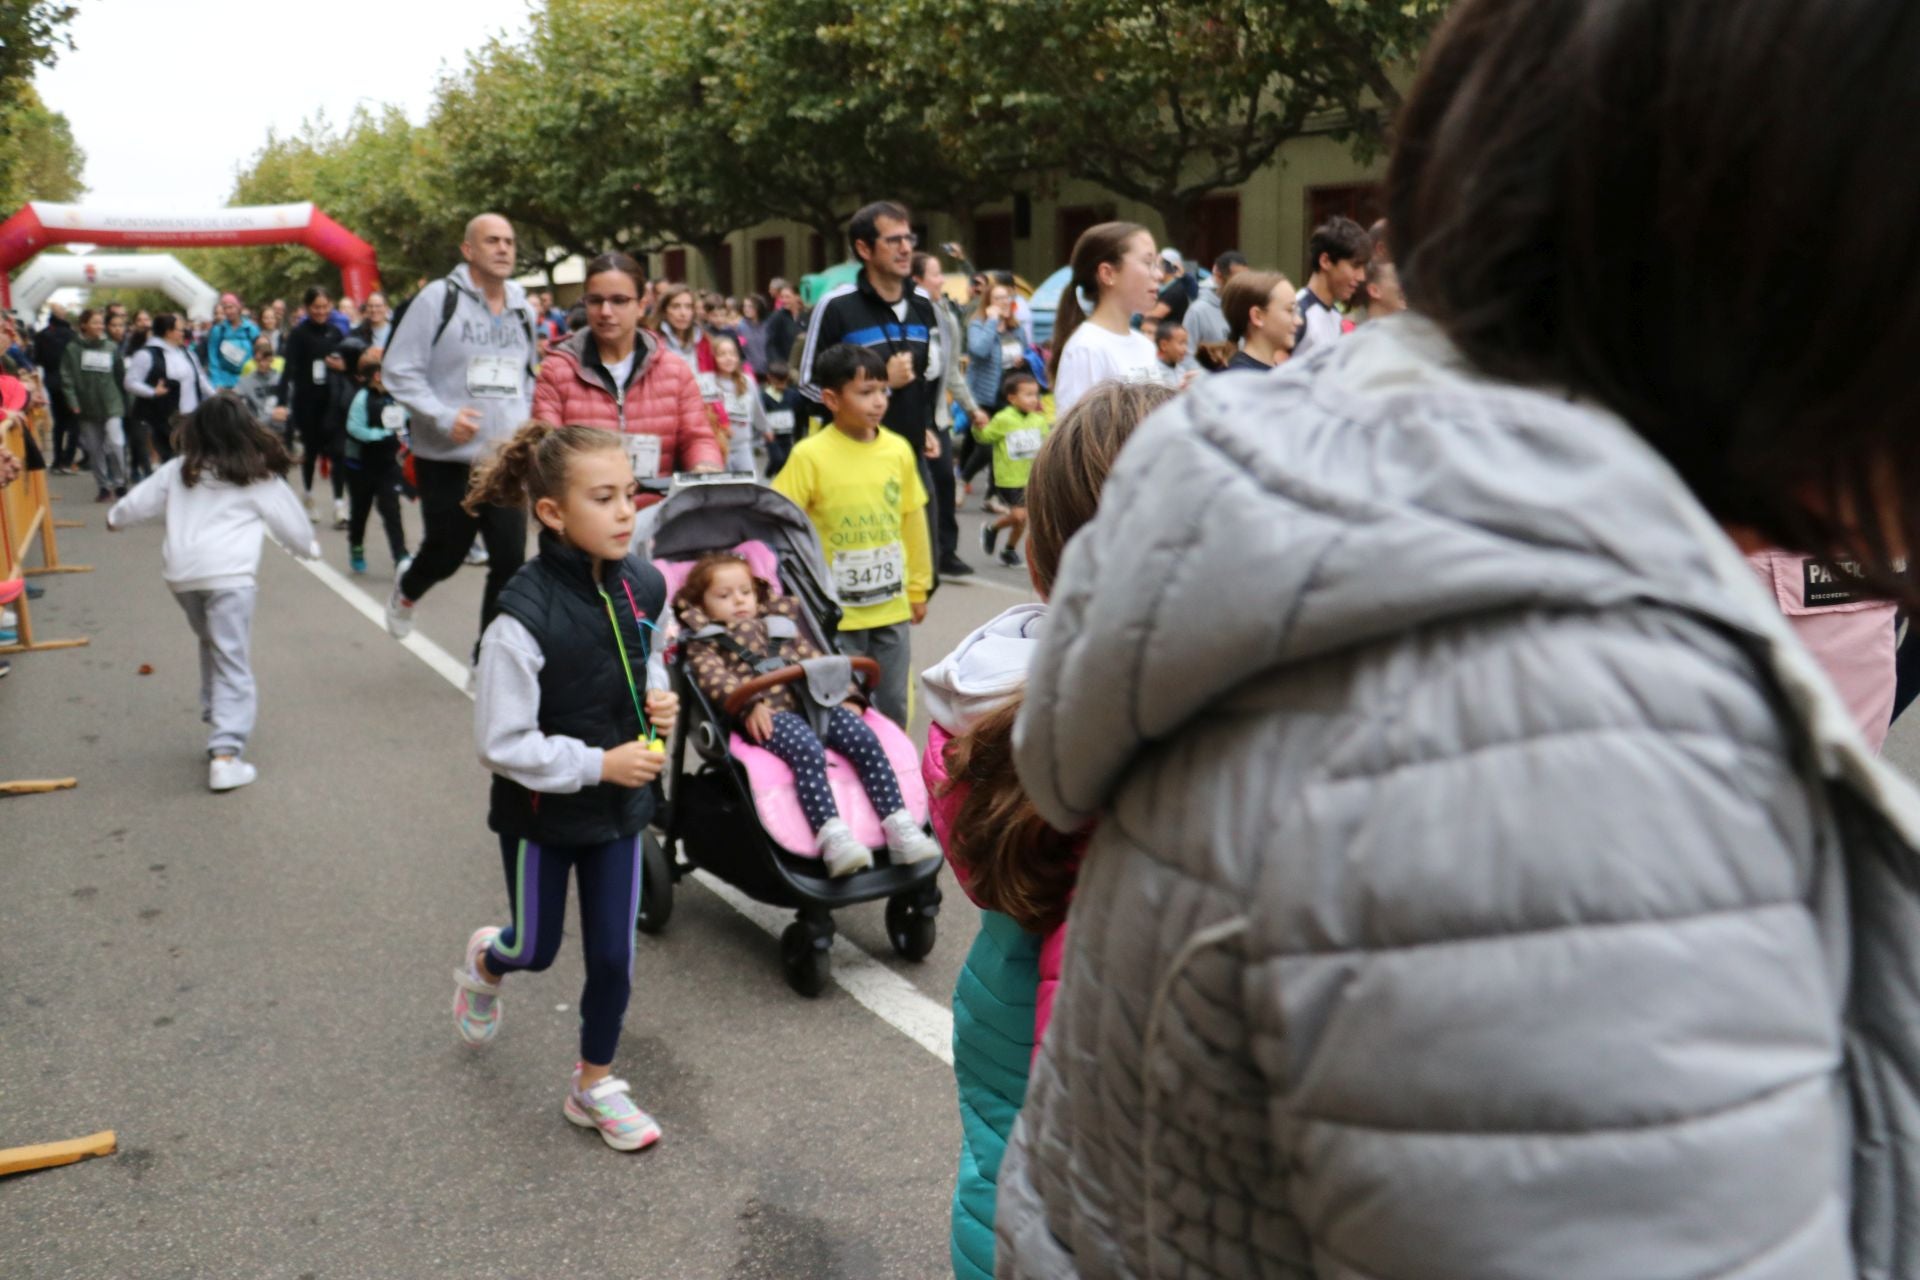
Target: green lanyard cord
618,639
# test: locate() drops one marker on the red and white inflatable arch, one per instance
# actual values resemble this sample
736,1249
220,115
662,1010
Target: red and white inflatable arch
40,224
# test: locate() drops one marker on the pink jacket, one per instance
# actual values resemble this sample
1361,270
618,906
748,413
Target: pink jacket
943,806
1851,637
662,398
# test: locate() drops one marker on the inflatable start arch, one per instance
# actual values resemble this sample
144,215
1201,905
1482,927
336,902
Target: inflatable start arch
40,224
50,271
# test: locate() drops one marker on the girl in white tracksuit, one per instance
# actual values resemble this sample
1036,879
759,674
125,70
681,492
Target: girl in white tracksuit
224,488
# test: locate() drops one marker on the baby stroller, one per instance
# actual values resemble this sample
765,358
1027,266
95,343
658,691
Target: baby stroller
731,810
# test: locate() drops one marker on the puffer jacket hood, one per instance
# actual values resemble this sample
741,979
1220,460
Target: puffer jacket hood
986,669
1430,494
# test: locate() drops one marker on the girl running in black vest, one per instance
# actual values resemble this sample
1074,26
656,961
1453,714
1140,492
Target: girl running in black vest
562,719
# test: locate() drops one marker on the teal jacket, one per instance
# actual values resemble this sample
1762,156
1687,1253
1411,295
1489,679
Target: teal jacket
993,1016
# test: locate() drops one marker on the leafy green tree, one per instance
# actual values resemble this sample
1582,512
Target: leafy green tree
1162,103
39,159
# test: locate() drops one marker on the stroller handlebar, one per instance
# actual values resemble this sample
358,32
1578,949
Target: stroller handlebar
866,668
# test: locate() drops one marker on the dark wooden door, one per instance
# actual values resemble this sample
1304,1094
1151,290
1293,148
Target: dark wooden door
769,260
992,246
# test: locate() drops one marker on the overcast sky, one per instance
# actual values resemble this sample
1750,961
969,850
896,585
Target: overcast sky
229,73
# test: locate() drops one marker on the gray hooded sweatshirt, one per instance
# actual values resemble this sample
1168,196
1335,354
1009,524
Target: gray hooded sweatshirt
480,359
1486,883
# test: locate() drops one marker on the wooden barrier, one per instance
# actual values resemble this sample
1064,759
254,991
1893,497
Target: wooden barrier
26,516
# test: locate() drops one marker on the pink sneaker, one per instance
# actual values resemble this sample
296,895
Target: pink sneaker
476,1003
608,1106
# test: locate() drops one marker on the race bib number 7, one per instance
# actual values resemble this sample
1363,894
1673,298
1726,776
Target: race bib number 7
493,377
870,575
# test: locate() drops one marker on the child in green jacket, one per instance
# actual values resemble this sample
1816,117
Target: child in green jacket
1015,433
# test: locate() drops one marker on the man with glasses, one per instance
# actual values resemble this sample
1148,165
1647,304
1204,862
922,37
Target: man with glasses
883,309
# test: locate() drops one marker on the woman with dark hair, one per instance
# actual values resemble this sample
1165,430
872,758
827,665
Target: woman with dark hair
614,374
1113,281
306,390
755,309
1485,882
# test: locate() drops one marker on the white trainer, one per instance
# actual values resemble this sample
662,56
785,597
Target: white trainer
843,854
905,840
399,613
227,773
477,553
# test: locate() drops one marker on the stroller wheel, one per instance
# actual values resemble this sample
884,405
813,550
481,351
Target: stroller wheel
807,958
656,886
910,927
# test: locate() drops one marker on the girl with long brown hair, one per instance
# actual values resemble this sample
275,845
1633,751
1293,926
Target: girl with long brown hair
1014,866
1094,340
564,722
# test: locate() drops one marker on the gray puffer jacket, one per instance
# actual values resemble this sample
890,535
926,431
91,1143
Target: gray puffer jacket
1486,884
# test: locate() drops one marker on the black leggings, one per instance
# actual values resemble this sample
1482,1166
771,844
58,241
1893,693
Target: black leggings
373,480
316,439
450,530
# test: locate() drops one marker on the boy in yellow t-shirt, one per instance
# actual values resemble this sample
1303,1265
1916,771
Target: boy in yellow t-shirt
861,487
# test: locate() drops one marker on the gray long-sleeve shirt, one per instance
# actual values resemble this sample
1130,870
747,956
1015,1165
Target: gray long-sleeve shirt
480,360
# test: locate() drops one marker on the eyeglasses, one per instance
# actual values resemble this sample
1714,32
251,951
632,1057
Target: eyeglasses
610,300
905,240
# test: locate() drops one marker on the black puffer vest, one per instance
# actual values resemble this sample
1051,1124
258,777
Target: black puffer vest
583,688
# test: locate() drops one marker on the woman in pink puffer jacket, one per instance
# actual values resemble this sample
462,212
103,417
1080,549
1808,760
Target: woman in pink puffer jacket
616,375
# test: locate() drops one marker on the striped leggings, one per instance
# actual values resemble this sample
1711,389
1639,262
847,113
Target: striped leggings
609,876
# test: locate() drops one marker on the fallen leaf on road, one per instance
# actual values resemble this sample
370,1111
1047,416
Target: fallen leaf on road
146,668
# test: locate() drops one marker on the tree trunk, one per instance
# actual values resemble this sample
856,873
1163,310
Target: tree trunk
1176,211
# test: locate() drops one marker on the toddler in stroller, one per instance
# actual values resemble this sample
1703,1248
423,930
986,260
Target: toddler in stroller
734,629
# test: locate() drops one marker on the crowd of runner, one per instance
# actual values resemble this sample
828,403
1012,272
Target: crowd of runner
1407,843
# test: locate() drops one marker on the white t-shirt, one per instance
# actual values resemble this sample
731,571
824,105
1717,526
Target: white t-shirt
1094,355
620,369
1319,323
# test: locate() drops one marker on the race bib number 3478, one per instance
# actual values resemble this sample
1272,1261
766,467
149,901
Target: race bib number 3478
870,575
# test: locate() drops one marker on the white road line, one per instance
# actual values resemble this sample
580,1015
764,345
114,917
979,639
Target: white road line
889,996
886,994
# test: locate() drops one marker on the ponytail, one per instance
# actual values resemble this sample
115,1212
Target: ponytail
532,465
1014,863
1096,247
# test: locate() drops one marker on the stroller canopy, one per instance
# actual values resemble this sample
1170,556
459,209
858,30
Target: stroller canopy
708,515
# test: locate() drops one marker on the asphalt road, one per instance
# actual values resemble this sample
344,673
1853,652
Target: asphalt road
254,989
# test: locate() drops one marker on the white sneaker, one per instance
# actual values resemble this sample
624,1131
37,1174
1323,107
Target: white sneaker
399,613
905,840
843,854
225,773
313,506
477,553
339,513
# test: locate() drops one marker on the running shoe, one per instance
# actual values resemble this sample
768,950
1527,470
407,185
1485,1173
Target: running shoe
339,513
608,1106
357,559
1010,557
399,612
843,854
905,840
477,553
989,534
476,1002
229,773
954,567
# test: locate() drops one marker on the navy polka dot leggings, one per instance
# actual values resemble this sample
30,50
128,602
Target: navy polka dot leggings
794,742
